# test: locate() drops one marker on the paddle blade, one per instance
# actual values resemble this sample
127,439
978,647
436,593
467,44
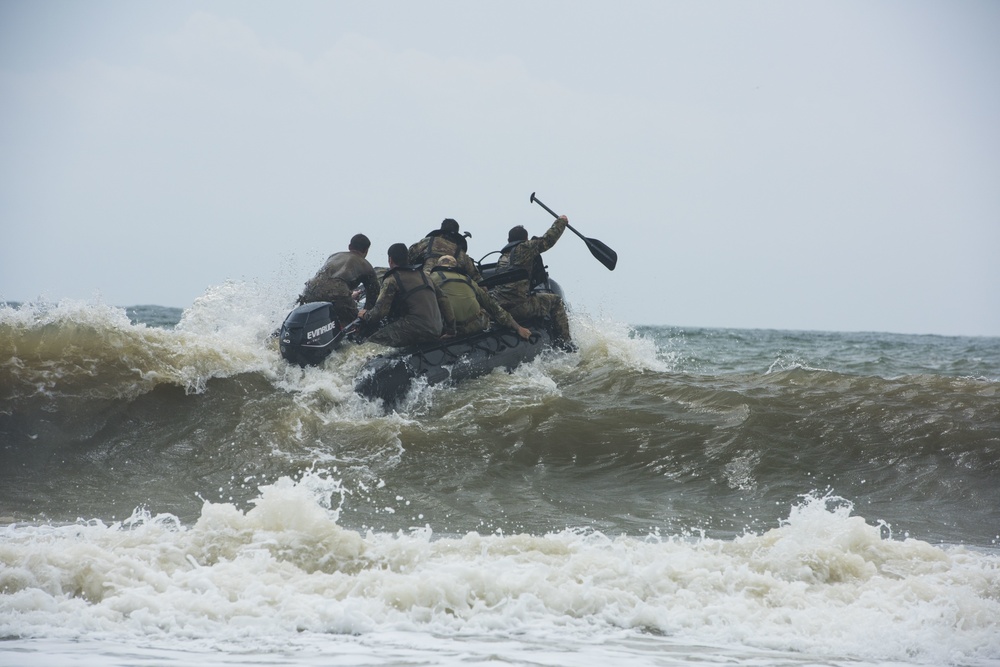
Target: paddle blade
603,253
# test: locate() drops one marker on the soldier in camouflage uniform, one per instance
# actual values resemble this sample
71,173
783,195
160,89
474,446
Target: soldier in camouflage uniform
440,242
471,304
415,308
517,297
340,276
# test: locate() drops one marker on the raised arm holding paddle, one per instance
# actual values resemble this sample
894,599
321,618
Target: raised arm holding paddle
603,253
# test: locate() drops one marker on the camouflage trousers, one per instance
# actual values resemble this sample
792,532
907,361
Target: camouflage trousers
542,305
480,322
404,332
339,294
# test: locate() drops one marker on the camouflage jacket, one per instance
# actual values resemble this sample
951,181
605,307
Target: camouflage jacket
427,250
525,255
348,267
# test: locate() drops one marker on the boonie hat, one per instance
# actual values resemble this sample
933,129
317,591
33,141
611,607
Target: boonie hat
447,261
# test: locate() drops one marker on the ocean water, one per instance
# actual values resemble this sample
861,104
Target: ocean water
173,493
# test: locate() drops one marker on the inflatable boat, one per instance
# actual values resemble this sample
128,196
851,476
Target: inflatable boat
311,333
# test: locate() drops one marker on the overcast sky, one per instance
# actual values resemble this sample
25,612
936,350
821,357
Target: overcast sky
829,165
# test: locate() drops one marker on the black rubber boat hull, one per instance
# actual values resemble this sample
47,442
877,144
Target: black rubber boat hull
390,377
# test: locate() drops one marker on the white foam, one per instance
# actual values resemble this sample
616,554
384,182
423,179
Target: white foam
41,313
824,583
604,340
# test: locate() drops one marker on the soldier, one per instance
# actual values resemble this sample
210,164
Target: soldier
340,276
471,304
517,297
444,241
416,310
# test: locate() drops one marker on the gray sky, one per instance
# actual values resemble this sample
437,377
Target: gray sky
829,165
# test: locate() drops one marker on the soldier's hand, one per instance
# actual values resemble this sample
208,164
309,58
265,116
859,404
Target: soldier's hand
524,332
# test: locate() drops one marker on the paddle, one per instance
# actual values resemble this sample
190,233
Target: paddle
603,253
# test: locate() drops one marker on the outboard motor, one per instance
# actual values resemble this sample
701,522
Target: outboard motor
309,334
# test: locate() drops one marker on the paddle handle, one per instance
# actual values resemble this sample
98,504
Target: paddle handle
601,252
536,200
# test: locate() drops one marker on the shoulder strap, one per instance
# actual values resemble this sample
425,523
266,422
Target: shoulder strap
459,278
424,280
510,246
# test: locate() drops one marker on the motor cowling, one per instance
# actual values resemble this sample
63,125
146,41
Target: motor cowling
309,334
